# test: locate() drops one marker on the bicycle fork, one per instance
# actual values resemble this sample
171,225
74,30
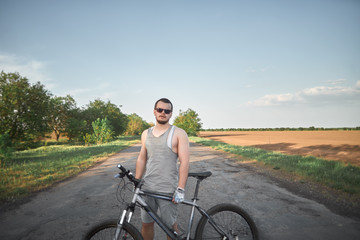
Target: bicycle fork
119,225
129,212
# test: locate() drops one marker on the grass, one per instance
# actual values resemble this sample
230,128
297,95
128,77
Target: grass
334,174
32,170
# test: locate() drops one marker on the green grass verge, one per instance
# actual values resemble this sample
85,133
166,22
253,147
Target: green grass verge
331,173
32,170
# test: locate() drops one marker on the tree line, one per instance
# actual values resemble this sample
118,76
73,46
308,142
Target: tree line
29,112
312,128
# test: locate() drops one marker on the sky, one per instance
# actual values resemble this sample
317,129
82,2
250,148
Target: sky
237,63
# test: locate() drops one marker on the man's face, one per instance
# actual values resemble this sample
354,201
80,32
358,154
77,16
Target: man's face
162,117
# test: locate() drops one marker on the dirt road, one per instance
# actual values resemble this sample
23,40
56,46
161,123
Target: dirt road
67,210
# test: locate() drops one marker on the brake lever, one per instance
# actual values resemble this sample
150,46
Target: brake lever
120,175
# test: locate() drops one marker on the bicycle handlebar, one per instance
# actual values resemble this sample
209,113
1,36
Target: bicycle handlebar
128,174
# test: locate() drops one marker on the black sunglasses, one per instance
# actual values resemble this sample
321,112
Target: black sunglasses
160,110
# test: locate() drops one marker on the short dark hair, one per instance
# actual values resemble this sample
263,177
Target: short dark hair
165,100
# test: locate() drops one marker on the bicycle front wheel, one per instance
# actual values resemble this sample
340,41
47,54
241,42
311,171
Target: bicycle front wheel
106,230
234,221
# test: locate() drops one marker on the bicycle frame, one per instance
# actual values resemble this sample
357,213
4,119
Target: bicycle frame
137,199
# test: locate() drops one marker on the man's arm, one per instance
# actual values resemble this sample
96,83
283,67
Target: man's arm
142,158
184,156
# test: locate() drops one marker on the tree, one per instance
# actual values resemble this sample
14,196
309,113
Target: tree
136,125
75,125
102,131
6,148
100,109
189,121
60,114
23,108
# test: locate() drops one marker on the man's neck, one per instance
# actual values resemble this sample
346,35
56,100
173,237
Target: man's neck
162,127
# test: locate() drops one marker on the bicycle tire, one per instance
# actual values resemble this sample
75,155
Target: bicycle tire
232,219
106,230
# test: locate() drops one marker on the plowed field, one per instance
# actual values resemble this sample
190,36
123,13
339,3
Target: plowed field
331,145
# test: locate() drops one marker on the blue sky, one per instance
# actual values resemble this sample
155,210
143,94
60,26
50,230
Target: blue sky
238,64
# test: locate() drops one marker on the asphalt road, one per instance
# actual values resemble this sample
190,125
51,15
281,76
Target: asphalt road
69,209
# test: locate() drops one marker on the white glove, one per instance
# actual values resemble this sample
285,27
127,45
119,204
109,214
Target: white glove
179,195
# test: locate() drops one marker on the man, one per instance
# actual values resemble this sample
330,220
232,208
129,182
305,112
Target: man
162,146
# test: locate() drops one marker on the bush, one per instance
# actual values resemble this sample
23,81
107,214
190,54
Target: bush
88,139
189,121
136,125
102,131
6,148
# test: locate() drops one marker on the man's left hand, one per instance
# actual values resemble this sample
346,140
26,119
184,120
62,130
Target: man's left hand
179,195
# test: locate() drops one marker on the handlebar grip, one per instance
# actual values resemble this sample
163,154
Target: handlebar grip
121,167
128,174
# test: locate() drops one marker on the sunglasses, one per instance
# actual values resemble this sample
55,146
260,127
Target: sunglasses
160,110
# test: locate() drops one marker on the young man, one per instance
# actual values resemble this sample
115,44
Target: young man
162,146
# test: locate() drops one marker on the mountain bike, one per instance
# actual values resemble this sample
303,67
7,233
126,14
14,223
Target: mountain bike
223,221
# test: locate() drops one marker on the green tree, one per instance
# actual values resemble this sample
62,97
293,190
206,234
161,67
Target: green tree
102,131
100,109
75,125
24,108
189,121
136,125
6,148
60,114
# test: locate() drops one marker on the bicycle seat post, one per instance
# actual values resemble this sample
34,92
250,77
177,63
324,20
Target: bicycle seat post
197,189
199,176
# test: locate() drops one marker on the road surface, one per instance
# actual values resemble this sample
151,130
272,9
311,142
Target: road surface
69,209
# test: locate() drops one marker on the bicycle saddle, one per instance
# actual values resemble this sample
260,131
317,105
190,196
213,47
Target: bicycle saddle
200,175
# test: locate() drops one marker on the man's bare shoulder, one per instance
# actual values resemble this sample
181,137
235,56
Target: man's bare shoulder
144,134
179,132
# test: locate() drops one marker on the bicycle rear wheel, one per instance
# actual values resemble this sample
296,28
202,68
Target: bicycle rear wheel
106,230
234,221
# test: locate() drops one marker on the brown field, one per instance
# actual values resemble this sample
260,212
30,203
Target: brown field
331,145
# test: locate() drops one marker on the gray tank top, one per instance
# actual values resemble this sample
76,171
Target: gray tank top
161,167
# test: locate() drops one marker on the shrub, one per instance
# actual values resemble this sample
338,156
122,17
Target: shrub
102,131
88,139
6,148
189,121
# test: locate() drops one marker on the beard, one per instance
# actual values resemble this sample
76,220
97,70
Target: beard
162,122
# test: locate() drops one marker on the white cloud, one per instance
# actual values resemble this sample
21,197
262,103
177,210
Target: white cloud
276,99
315,95
33,70
102,91
323,90
357,84
336,81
